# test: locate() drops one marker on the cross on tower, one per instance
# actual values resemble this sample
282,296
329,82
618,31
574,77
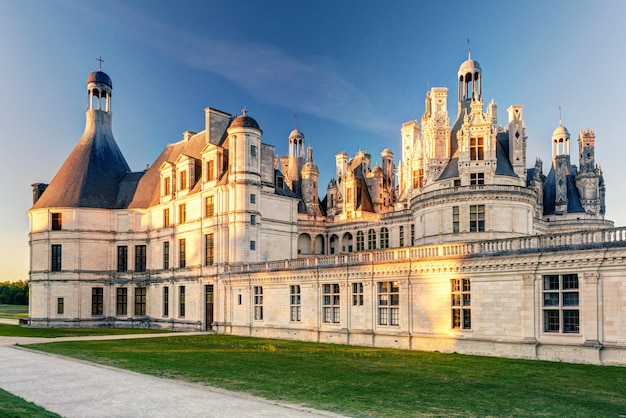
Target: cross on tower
101,61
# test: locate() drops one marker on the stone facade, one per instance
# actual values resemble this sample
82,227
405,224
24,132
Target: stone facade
461,249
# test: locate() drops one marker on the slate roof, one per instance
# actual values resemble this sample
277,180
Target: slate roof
549,194
503,165
89,176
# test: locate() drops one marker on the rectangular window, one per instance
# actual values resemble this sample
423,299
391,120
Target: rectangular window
252,198
371,239
461,301
455,220
412,235
181,301
384,238
140,258
166,217
182,213
476,149
295,303
252,219
121,301
97,301
208,249
252,245
209,206
360,241
330,303
166,255
55,261
122,258
401,235
253,150
418,178
57,221
166,301
182,253
477,218
560,304
349,195
167,186
140,301
183,180
60,306
357,294
210,170
477,179
258,303
388,303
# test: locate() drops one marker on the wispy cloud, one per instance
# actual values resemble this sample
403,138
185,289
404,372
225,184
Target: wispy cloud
305,84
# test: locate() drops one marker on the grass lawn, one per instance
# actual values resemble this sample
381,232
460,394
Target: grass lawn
16,407
362,381
17,331
13,311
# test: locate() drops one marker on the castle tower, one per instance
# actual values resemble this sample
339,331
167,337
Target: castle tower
244,179
561,165
389,183
296,155
589,178
470,91
517,140
310,178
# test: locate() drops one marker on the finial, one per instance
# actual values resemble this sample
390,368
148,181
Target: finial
244,111
296,116
560,116
469,48
100,64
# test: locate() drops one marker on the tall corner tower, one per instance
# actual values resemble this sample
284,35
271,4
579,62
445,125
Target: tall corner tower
244,179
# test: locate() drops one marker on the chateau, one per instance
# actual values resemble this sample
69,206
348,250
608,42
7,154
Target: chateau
459,248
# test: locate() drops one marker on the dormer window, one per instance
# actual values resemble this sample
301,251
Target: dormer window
57,221
477,150
477,179
167,186
210,170
183,180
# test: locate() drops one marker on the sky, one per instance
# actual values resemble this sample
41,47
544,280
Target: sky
352,72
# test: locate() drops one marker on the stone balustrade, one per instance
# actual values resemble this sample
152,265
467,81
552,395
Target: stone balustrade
613,237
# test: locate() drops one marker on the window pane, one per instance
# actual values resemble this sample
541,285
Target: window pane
570,298
570,281
550,299
571,321
551,321
550,282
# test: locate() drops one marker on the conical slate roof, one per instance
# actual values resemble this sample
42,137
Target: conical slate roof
89,177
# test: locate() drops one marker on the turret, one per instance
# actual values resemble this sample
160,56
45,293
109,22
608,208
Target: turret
517,140
310,177
244,178
561,164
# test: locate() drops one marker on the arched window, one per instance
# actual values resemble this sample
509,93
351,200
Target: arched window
384,238
371,239
360,241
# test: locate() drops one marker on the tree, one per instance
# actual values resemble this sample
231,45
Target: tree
14,293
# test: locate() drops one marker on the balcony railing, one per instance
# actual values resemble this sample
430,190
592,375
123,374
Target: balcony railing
614,237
